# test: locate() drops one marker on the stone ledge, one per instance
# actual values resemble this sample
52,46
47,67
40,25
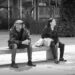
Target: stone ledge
6,50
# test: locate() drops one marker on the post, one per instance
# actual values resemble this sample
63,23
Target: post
8,13
21,9
36,10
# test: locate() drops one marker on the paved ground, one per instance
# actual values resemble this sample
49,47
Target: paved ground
42,68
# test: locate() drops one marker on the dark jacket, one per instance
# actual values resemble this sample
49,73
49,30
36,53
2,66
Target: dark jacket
48,33
18,37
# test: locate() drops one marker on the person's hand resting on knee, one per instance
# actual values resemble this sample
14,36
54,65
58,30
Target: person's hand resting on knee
26,42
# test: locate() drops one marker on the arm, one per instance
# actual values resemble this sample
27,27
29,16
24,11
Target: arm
44,33
26,34
47,33
12,37
55,37
26,37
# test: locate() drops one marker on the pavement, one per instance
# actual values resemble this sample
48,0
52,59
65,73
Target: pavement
43,67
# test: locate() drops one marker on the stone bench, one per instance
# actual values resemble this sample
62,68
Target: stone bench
6,50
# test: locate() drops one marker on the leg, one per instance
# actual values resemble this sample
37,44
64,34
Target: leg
54,51
13,48
29,51
61,46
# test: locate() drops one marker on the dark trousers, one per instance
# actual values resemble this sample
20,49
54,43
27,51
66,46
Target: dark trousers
61,46
14,47
54,49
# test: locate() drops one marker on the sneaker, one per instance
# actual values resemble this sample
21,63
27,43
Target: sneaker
62,59
30,63
14,65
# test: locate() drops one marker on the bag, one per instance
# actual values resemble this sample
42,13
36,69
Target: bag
38,43
47,41
43,42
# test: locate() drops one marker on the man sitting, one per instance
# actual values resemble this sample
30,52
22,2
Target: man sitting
20,38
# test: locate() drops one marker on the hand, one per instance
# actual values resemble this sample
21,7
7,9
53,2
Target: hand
27,42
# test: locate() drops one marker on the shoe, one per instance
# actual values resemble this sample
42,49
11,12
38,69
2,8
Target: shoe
62,59
30,63
56,61
14,65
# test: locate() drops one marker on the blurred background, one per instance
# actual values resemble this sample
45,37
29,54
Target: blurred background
36,13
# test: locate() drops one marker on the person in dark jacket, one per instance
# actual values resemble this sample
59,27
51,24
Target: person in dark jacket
50,32
19,37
